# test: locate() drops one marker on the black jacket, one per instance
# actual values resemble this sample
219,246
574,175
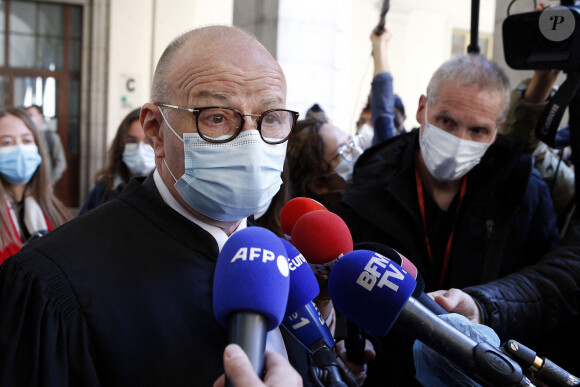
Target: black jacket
506,204
121,296
505,223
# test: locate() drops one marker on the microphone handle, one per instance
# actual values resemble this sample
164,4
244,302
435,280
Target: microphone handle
480,361
248,330
326,359
543,369
553,375
345,372
430,304
354,343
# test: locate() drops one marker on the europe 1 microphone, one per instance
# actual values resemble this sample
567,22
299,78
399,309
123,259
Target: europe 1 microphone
305,322
375,293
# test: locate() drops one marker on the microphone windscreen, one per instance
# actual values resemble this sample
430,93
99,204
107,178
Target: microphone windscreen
370,290
252,275
294,209
303,284
390,253
321,236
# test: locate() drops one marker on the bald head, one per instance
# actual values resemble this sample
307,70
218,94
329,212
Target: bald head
206,47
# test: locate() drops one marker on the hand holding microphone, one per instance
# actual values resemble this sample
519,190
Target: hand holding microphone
250,292
240,372
375,292
457,301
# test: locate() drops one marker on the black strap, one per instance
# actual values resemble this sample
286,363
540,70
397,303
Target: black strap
505,204
550,118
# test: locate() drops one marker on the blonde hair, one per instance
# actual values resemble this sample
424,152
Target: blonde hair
38,186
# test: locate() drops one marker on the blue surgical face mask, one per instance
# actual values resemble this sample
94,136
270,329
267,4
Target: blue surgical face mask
139,158
19,162
232,180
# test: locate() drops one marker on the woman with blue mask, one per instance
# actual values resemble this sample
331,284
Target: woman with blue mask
28,208
320,158
130,155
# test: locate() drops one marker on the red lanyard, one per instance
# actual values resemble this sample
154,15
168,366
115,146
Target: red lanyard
422,207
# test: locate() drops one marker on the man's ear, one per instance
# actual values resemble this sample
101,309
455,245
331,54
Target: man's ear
420,117
151,121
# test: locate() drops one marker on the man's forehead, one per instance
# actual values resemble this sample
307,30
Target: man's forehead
468,101
218,76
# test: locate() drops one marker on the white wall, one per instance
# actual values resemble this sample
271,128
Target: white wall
140,31
323,47
313,50
325,51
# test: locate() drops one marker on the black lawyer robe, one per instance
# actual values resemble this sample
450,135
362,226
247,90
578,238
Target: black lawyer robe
121,296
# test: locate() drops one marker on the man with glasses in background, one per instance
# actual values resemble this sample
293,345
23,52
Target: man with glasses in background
123,294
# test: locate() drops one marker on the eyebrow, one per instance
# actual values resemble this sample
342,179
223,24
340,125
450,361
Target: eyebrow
219,96
448,115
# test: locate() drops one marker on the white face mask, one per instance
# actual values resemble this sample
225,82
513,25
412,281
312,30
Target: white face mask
446,156
229,181
364,137
344,170
139,158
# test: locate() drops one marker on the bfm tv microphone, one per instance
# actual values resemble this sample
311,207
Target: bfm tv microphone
250,290
293,210
305,322
355,336
406,264
374,292
355,339
322,237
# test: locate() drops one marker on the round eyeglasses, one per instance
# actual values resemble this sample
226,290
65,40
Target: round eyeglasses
222,124
349,151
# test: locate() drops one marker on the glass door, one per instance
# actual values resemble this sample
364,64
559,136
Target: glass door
40,62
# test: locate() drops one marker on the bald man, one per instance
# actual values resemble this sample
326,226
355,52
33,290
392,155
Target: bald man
123,295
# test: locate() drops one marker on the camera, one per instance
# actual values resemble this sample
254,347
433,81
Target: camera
549,39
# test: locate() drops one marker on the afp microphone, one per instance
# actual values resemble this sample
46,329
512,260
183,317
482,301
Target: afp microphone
250,290
293,210
305,323
375,292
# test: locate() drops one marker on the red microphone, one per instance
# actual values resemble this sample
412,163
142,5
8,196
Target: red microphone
293,210
322,237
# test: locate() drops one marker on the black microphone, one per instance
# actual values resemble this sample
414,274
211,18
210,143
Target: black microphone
375,293
542,368
380,28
